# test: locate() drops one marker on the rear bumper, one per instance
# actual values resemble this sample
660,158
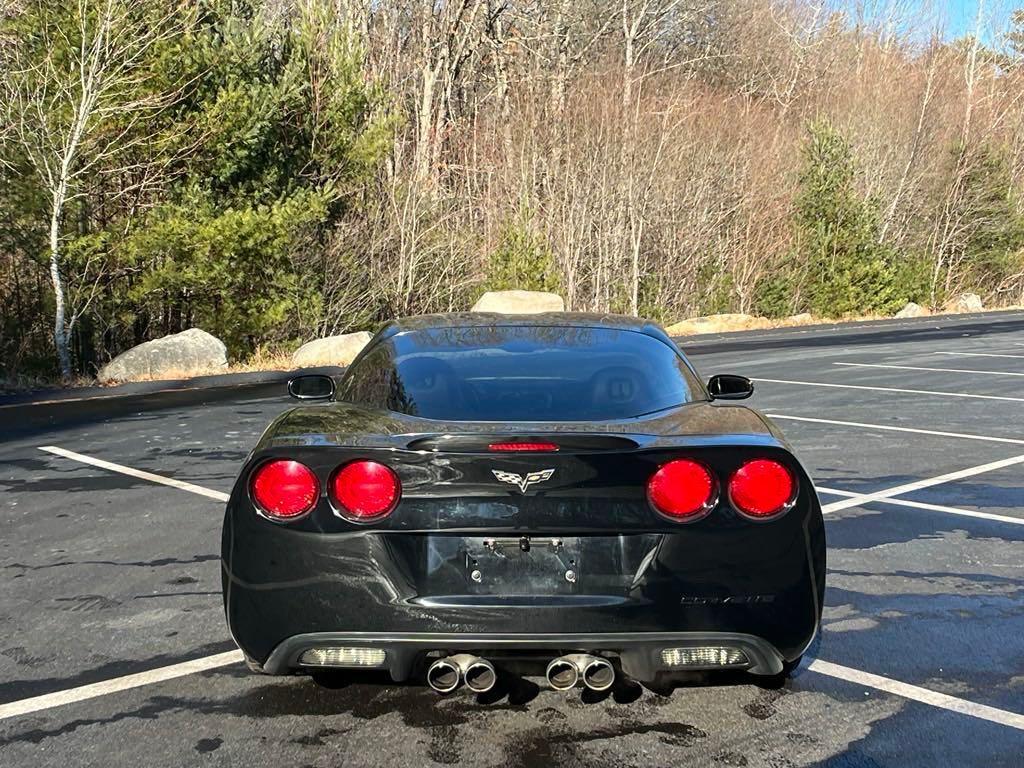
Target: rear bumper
639,653
632,594
358,594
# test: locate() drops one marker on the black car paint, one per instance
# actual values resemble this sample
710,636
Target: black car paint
639,575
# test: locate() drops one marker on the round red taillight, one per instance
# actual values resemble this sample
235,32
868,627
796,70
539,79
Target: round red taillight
762,488
284,489
682,490
366,490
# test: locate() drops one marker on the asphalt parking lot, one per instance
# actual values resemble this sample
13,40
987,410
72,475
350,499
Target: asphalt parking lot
114,651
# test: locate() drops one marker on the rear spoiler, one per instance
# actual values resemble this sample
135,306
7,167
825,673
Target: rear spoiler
544,442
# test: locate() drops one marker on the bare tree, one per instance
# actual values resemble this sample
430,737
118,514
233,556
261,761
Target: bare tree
448,34
79,99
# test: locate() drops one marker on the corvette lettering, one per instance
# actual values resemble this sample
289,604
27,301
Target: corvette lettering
727,600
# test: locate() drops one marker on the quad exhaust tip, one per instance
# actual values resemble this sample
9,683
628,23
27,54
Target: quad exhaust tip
565,672
443,676
599,674
478,674
562,674
447,674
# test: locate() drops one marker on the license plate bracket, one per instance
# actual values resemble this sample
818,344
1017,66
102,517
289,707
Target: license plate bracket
522,565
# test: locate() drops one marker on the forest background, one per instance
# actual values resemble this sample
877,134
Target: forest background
282,170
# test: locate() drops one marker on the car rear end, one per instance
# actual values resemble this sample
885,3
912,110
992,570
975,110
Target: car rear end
437,555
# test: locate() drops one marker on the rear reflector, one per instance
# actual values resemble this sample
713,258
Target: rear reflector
343,657
704,657
762,488
535,447
365,490
682,490
284,490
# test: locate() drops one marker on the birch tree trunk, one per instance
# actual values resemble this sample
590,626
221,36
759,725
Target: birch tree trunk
60,330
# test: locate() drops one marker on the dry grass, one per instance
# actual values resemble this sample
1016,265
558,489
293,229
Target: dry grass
21,383
737,322
263,360
734,322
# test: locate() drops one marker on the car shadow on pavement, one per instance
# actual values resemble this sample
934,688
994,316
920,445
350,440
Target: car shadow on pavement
518,691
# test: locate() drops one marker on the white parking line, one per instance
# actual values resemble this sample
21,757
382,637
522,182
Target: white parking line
979,354
923,505
931,370
120,468
912,692
91,691
916,693
891,389
891,428
917,485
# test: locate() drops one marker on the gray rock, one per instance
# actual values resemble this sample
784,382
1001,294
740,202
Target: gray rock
803,318
332,350
176,356
519,302
965,302
913,310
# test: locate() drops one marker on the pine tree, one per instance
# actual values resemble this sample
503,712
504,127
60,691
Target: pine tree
840,260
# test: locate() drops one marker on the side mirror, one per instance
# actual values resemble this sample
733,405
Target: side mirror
725,386
312,386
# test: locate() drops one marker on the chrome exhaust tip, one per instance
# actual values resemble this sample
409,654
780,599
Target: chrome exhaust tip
565,672
562,673
598,674
444,676
479,675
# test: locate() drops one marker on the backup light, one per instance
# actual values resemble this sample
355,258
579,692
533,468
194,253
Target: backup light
709,656
343,657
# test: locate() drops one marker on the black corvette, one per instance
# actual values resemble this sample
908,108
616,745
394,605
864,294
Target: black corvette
552,493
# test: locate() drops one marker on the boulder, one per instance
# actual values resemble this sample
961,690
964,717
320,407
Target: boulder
519,302
913,310
804,318
176,356
332,350
965,302
735,321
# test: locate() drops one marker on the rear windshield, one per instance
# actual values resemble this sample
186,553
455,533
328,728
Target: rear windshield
517,373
